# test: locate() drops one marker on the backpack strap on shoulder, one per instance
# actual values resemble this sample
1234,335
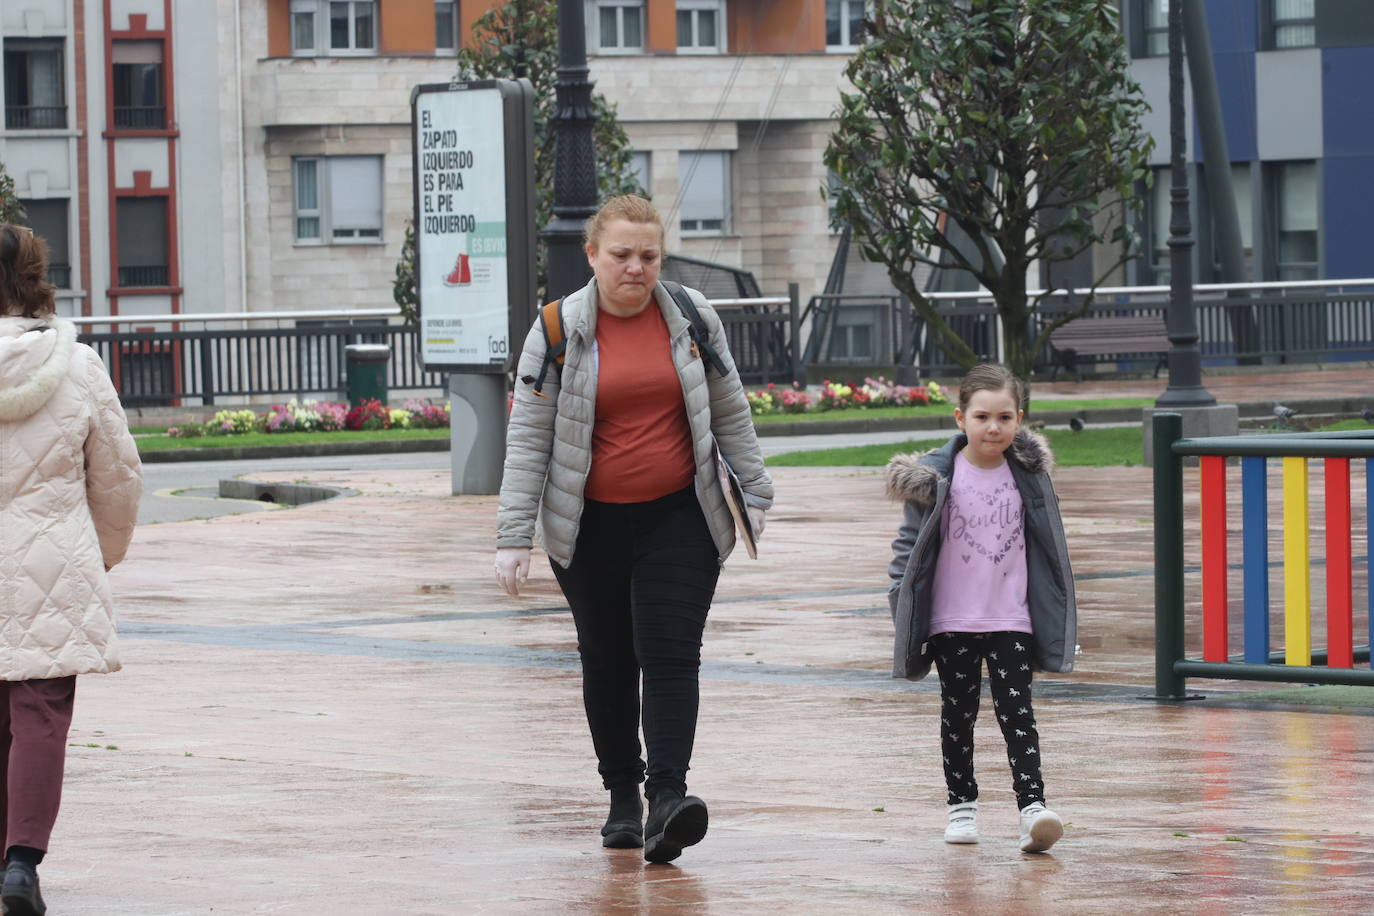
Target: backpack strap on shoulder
701,339
555,344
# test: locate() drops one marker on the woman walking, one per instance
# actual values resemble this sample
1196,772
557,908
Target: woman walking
70,481
613,458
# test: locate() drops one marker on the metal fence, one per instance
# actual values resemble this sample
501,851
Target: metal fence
172,366
179,366
1290,322
1222,606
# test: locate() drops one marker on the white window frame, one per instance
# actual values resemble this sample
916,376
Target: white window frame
694,8
319,13
847,43
456,11
594,44
686,175
323,209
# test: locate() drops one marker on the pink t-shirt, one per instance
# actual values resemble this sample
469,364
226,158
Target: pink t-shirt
980,576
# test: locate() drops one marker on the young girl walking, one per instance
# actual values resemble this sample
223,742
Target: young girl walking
980,572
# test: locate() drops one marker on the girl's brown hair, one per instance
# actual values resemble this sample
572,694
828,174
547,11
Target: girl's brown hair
24,287
628,207
990,377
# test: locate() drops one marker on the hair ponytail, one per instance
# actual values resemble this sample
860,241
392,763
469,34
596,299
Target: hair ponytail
24,287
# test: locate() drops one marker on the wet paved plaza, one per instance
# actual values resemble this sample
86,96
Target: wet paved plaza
333,709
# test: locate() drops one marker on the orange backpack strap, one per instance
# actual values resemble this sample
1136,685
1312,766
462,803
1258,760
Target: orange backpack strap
555,344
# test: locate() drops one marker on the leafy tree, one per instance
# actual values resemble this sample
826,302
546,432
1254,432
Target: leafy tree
11,211
1015,121
520,39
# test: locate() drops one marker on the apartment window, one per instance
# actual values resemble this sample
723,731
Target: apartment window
446,24
639,168
338,199
705,193
137,82
1155,28
1158,229
141,241
1295,23
48,218
844,24
617,26
34,95
1295,218
335,27
700,26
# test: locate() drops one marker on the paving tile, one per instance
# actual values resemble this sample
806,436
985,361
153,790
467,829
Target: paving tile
332,709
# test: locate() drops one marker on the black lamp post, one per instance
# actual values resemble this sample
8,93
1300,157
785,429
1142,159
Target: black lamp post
1185,387
574,177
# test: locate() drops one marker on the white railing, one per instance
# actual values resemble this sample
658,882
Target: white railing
219,317
1333,285
319,314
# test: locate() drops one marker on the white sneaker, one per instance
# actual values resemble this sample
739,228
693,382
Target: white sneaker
963,823
1040,828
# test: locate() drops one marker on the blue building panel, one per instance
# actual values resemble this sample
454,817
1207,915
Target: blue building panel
1347,103
1347,189
1234,25
1236,86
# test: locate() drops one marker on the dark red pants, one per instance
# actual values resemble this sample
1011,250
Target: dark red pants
34,719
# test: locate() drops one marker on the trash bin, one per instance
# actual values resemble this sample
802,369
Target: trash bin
365,372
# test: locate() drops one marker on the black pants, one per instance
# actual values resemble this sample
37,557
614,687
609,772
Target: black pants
640,586
959,660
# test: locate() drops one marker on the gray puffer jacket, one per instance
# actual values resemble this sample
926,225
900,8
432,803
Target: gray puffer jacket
549,439
923,482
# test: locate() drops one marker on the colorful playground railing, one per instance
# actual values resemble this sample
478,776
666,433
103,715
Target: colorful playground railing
1297,662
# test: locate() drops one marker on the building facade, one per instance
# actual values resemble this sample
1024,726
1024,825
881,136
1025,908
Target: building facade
259,158
1293,77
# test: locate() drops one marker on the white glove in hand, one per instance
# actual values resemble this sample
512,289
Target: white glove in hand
755,520
512,568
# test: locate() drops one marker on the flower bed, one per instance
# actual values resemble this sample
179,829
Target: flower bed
319,416
874,392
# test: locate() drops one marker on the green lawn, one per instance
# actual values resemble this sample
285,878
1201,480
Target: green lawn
162,443
941,410
1112,446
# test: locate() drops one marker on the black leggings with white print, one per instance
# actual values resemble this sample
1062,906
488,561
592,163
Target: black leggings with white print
959,660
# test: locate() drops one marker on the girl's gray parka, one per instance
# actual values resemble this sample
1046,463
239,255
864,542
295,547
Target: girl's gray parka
923,482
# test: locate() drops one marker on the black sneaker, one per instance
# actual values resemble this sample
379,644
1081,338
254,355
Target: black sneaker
674,823
20,892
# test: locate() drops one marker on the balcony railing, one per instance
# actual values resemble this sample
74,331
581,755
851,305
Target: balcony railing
143,276
35,117
140,117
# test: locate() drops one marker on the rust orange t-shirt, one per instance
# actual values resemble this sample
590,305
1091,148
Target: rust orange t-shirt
642,442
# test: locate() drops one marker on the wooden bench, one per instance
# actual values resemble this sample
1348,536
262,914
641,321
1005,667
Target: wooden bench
1107,336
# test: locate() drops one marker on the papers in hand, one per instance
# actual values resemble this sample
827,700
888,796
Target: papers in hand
734,501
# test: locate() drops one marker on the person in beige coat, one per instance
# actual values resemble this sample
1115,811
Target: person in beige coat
70,481
614,462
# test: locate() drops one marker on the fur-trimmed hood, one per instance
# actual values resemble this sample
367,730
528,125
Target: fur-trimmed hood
35,355
917,476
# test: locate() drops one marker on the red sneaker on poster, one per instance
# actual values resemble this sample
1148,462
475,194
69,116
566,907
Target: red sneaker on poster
461,275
